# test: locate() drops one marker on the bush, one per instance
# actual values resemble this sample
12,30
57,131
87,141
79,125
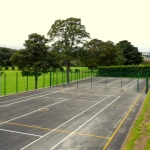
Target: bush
61,69
12,67
77,70
6,67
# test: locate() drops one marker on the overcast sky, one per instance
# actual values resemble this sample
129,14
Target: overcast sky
113,20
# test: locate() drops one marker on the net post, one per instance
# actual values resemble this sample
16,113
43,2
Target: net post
79,73
138,83
70,75
53,78
56,77
43,80
75,74
147,83
27,84
77,80
106,82
91,78
1,93
4,83
121,81
50,75
62,77
16,82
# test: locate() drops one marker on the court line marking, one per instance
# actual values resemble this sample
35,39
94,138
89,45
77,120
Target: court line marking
99,83
128,84
32,112
101,79
84,124
134,85
81,100
20,132
23,97
65,122
109,82
49,129
43,109
121,123
27,99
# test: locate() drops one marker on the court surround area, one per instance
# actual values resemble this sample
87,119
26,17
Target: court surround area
91,114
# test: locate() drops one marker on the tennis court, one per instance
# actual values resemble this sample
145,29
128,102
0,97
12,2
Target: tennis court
90,114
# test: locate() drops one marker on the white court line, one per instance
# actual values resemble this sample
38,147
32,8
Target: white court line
134,85
27,99
89,82
65,122
32,112
86,93
84,124
73,99
99,83
129,83
20,132
114,81
23,97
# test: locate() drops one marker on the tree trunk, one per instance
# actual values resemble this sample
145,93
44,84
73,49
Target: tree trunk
67,72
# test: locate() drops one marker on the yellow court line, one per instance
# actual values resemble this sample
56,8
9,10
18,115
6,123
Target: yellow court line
64,131
144,89
96,136
121,123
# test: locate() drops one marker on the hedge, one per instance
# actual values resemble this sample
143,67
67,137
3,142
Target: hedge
125,71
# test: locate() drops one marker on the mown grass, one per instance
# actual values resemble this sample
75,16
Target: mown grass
140,128
12,81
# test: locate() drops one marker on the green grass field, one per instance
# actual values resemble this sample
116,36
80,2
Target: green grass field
11,81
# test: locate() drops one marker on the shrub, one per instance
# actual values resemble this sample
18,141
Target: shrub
6,67
12,67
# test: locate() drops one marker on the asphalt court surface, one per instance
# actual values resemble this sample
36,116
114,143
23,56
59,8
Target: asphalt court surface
90,114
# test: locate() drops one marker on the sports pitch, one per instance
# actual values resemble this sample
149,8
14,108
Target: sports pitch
83,115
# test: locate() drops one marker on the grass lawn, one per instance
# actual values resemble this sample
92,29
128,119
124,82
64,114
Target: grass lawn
139,137
12,81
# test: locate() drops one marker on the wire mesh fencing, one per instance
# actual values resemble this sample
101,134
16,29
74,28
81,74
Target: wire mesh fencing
13,82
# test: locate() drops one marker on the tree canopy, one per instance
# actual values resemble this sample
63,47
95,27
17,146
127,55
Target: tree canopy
35,58
99,53
69,45
130,53
5,54
68,36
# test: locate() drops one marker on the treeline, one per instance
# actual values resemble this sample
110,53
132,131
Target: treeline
5,55
71,45
100,53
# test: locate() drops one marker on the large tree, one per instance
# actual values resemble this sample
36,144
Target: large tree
67,37
35,59
92,50
99,53
129,52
